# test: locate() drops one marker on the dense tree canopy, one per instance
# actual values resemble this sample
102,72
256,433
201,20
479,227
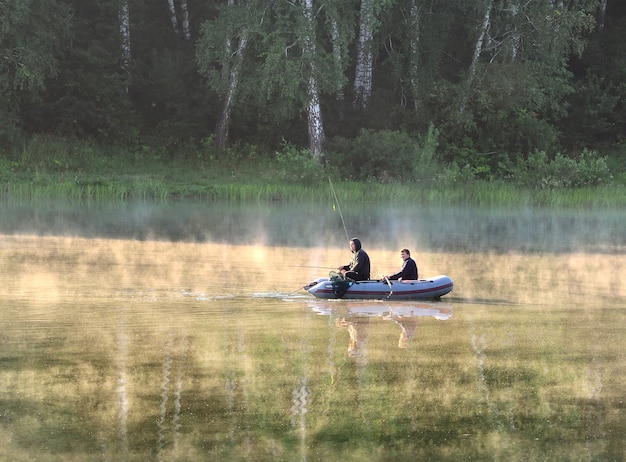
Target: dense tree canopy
497,79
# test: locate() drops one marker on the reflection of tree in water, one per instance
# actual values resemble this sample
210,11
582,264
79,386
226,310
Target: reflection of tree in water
122,341
174,362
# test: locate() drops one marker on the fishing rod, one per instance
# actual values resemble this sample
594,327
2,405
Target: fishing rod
339,208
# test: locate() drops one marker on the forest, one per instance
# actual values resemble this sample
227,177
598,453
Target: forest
372,88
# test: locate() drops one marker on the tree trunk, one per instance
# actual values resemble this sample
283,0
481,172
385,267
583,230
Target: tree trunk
185,9
125,41
364,59
223,124
414,50
314,112
173,18
230,74
338,58
316,126
601,14
514,9
477,51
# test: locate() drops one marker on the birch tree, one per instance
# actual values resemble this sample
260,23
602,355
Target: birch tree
125,41
231,73
314,111
601,14
173,18
514,9
414,62
185,9
185,18
478,49
340,28
364,56
220,54
338,56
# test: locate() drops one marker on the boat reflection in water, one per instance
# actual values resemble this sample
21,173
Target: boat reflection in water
357,318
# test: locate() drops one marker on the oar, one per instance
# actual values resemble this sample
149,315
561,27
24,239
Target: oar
390,286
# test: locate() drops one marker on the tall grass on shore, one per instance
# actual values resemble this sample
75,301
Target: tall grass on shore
484,194
51,169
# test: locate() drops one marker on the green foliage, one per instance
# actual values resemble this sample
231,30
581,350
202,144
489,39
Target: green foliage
428,159
31,35
530,91
539,171
454,174
48,167
513,111
596,109
298,166
617,162
385,156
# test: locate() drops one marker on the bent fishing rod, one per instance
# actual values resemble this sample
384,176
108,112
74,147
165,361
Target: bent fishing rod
339,208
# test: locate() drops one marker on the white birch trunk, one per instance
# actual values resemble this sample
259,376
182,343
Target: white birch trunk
317,136
364,59
223,124
227,51
173,18
477,51
125,41
337,56
515,34
185,10
479,43
602,14
230,77
314,111
414,50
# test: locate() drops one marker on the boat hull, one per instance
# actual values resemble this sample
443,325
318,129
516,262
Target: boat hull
423,289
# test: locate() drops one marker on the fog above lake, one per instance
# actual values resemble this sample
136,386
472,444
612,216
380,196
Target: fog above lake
180,331
386,225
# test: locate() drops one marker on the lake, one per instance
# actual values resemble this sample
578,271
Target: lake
180,331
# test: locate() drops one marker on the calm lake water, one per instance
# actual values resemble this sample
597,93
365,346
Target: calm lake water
180,332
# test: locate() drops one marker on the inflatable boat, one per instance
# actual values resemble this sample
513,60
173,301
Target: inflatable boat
422,289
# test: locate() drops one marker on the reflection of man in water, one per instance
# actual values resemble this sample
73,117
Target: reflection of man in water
408,326
358,329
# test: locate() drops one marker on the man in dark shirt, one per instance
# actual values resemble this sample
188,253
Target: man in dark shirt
359,268
408,272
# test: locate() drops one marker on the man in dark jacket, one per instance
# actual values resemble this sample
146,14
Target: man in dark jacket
359,268
408,272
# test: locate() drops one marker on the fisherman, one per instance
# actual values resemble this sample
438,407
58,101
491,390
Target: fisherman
408,272
359,268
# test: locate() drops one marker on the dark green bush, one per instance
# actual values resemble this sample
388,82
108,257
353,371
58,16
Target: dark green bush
539,171
298,166
384,156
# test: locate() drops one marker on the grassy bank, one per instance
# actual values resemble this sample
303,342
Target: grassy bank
53,170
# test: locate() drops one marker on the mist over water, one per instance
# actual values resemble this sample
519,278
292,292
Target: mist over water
313,224
180,331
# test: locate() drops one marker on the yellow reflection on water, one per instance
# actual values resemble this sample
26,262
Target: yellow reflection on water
153,350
